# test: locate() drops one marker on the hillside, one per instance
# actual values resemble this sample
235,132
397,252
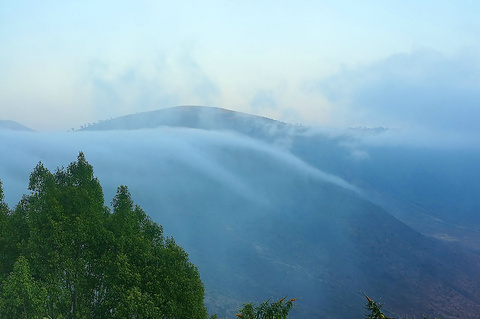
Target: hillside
13,126
198,117
432,189
264,217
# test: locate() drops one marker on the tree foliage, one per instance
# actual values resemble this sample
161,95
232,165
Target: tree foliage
267,310
374,310
21,296
66,255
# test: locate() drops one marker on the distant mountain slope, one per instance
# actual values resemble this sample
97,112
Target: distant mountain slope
422,186
200,117
13,126
259,222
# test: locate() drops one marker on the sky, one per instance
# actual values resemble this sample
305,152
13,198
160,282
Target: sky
400,64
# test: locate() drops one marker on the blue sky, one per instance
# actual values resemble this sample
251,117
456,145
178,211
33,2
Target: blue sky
402,64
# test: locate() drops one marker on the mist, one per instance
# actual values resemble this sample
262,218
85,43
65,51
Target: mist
379,195
200,185
422,90
129,156
266,208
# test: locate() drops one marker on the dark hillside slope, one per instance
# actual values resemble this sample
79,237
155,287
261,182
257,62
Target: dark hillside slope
433,189
259,222
305,237
13,126
200,117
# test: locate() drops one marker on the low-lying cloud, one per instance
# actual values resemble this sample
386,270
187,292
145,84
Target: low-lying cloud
422,90
125,157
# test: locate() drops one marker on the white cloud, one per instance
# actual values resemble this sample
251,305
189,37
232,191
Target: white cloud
150,55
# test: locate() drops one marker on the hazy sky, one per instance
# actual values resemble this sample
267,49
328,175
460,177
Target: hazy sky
335,63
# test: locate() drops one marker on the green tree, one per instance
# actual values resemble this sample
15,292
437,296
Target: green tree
267,310
92,261
64,214
5,241
21,296
3,206
162,263
374,310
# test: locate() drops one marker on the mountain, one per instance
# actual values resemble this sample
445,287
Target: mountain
199,117
13,126
268,209
434,190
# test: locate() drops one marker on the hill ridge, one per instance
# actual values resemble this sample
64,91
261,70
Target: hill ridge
13,126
